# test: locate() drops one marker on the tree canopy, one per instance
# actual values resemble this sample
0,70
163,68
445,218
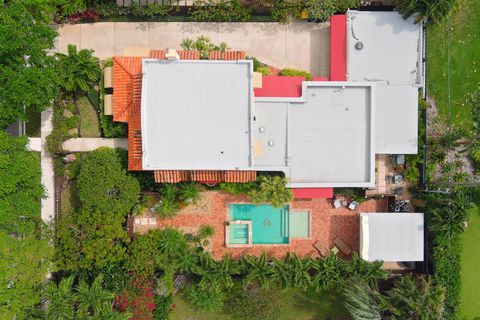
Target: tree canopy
103,183
20,186
23,266
27,72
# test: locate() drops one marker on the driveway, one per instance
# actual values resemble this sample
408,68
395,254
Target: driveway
301,45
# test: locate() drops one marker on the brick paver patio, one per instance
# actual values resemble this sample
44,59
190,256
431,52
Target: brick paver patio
327,223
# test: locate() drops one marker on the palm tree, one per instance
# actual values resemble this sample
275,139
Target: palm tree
361,301
293,272
92,299
61,300
189,192
186,261
415,298
428,11
258,270
208,299
328,273
447,217
171,242
81,70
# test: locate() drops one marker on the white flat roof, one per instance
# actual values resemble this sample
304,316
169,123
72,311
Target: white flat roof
392,237
391,56
322,139
196,114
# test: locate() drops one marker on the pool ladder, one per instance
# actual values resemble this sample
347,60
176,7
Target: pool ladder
285,223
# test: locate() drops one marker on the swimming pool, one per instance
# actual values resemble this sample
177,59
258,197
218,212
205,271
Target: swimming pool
269,225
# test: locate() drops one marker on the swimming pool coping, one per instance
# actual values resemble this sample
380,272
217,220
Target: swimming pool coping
249,244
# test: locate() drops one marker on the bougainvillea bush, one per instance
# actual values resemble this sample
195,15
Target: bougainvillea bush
138,299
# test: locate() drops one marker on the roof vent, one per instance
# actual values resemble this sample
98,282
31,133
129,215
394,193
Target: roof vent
172,54
271,143
359,45
261,129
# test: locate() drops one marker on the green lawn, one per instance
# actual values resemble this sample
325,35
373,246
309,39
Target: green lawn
89,126
458,38
470,306
299,305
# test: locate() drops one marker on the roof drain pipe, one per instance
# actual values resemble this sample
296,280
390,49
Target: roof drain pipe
172,55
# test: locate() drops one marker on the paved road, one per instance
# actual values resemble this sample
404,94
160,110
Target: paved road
299,45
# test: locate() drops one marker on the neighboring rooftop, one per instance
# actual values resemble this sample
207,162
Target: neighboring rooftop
392,236
196,114
384,48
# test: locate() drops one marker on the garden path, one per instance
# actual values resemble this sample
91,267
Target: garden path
89,144
48,203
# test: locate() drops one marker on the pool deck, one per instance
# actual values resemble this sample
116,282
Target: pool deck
327,223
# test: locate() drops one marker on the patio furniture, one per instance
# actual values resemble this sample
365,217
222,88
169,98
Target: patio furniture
353,205
342,246
322,250
337,203
152,221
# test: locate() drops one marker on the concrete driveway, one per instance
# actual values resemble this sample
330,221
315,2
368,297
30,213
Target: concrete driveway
304,46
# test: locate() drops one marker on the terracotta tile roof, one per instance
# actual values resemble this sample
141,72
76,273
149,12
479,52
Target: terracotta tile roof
227,55
205,176
125,70
135,151
184,54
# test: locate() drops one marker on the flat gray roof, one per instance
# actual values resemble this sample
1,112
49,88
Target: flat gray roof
391,56
391,237
196,114
324,138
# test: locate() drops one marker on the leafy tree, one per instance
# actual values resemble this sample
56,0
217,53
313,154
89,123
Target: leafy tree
415,298
159,248
28,75
91,240
20,187
428,11
258,270
23,266
81,302
361,301
208,299
103,183
369,272
272,190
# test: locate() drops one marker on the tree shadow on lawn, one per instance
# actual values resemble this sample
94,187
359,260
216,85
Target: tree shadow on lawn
325,305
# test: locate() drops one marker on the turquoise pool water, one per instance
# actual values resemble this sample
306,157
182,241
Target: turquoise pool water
269,225
238,234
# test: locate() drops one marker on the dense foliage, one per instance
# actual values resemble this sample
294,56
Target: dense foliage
426,11
82,301
297,73
20,187
24,262
28,75
272,190
103,183
204,45
221,11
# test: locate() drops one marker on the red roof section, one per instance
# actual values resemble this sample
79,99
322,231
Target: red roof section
204,176
312,193
338,48
227,55
124,71
280,86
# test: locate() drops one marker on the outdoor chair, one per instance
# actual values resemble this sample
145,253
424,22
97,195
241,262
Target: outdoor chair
322,250
342,246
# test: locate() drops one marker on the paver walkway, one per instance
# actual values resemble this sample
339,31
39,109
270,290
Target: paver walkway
299,45
327,223
48,204
89,144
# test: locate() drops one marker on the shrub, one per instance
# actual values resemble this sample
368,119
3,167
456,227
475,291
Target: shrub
293,72
150,10
104,184
224,11
205,231
204,45
284,10
272,190
263,70
320,11
238,188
